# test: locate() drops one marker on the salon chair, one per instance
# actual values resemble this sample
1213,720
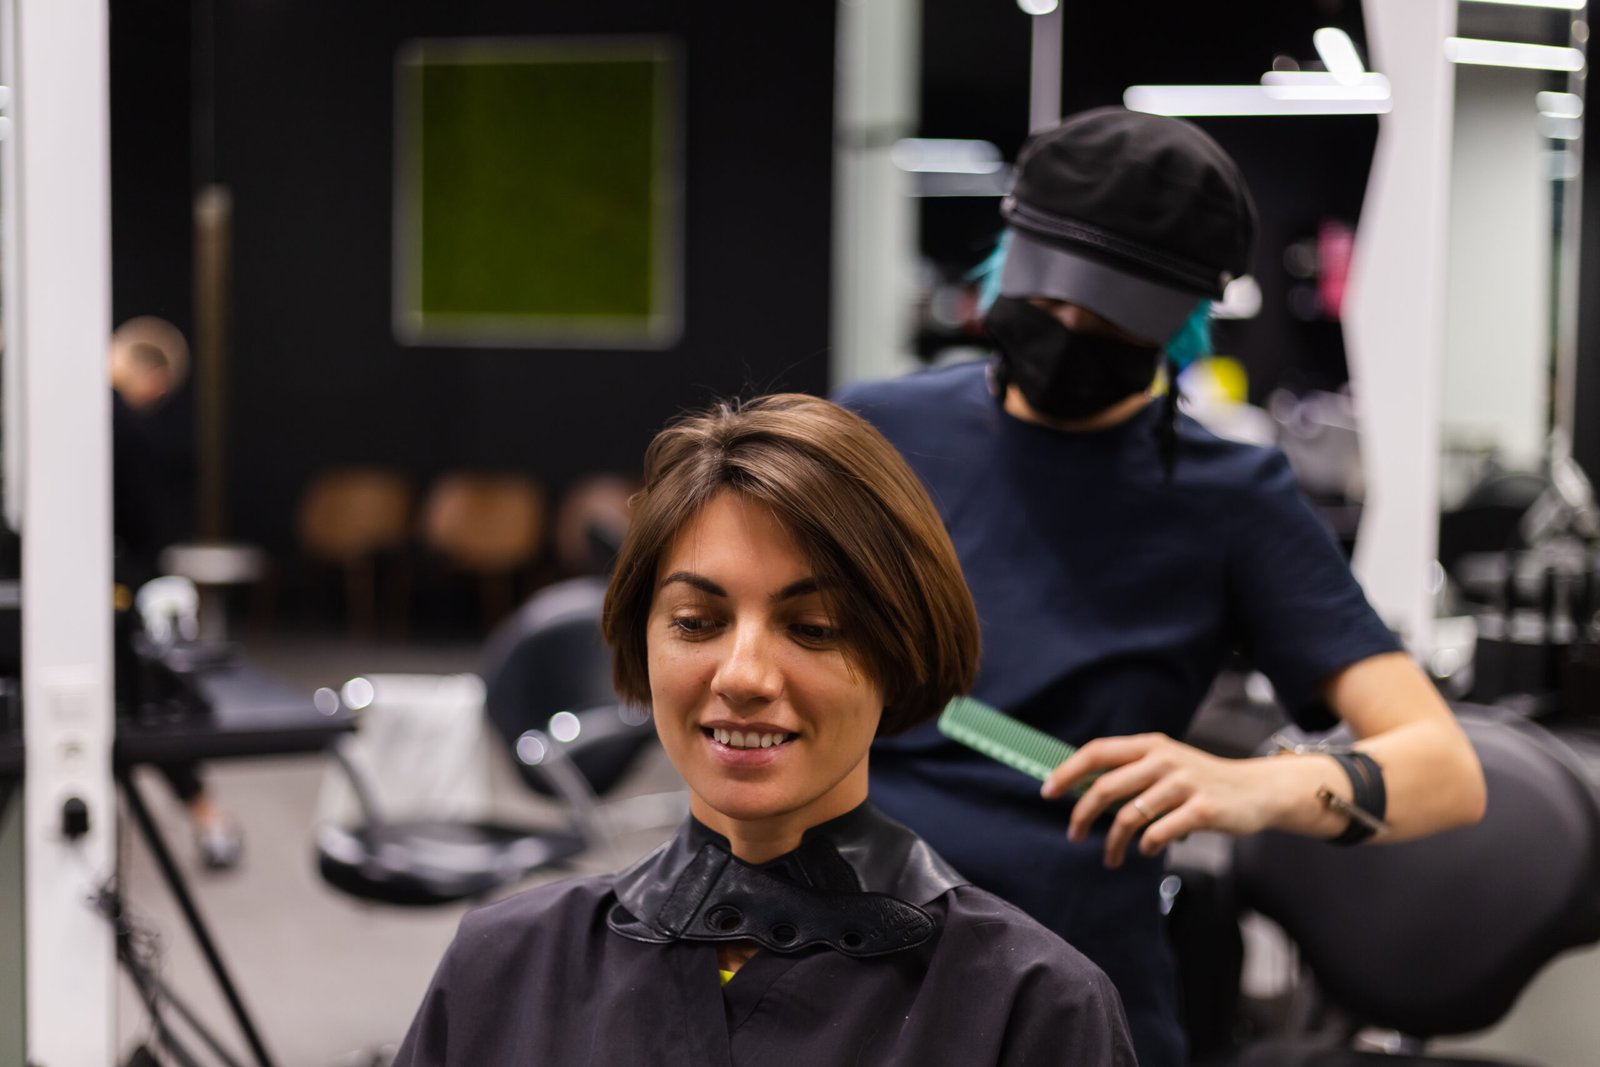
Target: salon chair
358,520
1439,936
414,840
547,673
591,522
490,526
549,699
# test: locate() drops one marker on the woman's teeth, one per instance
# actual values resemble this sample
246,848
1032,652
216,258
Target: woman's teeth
749,738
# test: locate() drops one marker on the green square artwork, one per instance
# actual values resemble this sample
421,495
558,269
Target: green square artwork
536,194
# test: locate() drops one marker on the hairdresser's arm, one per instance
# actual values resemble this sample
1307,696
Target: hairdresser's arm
1430,772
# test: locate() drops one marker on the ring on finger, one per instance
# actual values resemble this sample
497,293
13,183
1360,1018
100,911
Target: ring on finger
1142,810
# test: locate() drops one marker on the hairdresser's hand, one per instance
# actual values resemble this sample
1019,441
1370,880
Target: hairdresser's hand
1167,789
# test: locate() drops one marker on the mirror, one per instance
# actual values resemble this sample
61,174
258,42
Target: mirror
1508,483
1511,305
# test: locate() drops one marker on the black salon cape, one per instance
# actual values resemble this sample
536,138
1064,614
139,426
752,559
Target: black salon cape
542,979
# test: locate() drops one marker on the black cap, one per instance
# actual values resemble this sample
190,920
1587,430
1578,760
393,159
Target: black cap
1148,195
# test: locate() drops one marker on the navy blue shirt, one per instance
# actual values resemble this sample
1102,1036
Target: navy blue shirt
1108,598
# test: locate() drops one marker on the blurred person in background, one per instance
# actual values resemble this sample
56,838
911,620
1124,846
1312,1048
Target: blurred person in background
148,362
784,594
1117,553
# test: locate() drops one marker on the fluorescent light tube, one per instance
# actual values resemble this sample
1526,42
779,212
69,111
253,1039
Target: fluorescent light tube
1321,85
1219,100
1338,54
1559,128
1511,54
1322,77
1564,5
944,184
1348,93
1560,105
938,155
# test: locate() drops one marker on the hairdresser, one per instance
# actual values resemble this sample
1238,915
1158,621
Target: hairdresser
1117,553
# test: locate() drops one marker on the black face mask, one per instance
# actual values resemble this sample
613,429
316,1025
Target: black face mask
1062,373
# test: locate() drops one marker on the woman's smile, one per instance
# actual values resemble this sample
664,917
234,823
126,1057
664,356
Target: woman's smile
748,749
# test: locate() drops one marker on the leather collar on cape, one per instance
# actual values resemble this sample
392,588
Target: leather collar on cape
856,884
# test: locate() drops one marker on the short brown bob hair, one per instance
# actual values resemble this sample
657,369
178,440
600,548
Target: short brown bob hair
861,518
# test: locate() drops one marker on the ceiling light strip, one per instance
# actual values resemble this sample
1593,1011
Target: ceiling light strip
1561,5
1511,54
1338,54
1560,105
1221,100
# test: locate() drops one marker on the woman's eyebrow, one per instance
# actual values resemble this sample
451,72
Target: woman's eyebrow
695,581
803,587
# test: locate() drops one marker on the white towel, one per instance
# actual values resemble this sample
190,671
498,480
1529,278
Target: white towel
422,748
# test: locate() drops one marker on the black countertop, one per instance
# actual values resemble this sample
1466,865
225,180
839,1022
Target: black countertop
253,714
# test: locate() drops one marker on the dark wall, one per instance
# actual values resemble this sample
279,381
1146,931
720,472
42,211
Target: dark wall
150,102
151,234
303,136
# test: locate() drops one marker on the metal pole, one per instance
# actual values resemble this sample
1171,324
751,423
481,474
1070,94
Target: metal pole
1044,95
180,890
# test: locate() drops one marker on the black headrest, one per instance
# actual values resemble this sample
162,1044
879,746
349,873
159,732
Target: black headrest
548,657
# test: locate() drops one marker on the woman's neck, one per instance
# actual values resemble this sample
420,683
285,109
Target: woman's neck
765,838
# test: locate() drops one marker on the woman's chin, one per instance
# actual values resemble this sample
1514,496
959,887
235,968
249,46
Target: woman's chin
742,803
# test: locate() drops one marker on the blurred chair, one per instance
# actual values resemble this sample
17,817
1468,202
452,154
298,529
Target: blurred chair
591,522
1439,936
490,526
546,689
407,823
349,517
547,670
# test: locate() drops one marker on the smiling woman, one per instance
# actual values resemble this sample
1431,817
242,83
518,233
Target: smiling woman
786,594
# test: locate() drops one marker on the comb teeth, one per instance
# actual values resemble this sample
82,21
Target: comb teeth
1000,737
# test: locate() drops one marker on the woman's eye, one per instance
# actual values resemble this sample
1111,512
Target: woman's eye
692,625
815,632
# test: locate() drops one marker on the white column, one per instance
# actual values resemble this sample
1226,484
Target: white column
1394,321
874,216
57,327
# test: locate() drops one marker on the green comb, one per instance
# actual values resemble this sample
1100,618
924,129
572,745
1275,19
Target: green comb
1000,737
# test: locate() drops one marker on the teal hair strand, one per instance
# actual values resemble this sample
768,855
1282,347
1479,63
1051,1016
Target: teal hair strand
1193,338
987,274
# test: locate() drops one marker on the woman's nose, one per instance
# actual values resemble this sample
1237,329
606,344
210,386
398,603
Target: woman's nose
749,672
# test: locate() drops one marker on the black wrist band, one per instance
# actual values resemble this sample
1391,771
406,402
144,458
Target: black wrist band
1367,795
